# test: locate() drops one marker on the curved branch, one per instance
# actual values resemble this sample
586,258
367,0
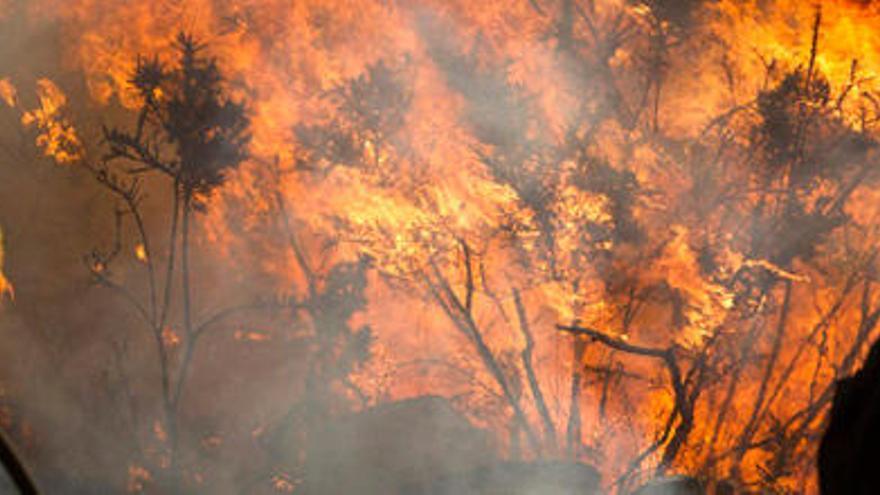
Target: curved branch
683,406
527,357
464,322
614,343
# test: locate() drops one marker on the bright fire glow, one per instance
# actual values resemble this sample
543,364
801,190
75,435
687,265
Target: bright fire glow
504,167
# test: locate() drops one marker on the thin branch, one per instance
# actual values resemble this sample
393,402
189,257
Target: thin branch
683,408
293,242
469,276
823,323
233,310
615,343
526,356
770,366
573,429
104,280
169,264
464,322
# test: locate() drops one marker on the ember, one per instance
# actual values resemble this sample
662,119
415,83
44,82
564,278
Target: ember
441,246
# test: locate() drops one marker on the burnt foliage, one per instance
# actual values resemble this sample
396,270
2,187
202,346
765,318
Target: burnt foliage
191,133
621,187
341,349
188,127
371,110
783,110
678,13
807,150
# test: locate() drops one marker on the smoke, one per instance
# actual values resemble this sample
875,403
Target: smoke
431,190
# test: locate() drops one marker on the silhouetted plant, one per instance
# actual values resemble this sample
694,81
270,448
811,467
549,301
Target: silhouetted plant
189,131
186,108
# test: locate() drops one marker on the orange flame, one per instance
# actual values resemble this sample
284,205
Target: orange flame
461,189
5,285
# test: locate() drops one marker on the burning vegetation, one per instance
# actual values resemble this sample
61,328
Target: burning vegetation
438,246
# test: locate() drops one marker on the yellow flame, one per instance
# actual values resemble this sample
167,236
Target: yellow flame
777,270
140,252
445,194
56,135
5,285
8,93
251,336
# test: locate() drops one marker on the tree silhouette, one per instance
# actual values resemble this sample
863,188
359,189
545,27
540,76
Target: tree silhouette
190,133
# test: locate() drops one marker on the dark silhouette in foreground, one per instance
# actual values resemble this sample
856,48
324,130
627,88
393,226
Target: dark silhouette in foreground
850,446
15,469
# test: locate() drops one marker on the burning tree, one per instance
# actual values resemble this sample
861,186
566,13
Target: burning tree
189,132
700,273
604,229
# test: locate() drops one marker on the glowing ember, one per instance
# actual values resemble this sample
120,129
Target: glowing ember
138,476
170,338
282,483
251,336
8,93
140,252
5,285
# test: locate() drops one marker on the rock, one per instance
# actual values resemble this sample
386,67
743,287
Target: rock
424,447
673,485
520,478
390,447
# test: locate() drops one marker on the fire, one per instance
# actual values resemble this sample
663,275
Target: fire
159,431
138,476
8,93
140,252
170,338
5,285
686,193
251,336
56,135
282,483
